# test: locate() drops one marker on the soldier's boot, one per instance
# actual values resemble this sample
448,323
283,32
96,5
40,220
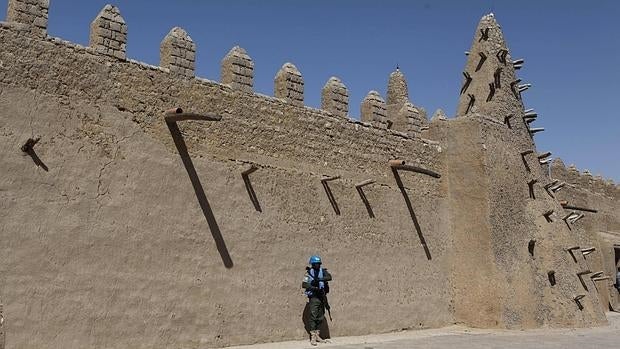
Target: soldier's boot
313,336
318,337
321,339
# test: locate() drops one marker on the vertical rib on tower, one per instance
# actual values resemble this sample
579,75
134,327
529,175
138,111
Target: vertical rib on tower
489,86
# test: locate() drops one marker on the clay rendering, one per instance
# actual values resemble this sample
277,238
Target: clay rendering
136,200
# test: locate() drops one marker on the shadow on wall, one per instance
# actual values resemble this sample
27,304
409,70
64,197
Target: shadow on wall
399,182
200,193
330,195
323,329
28,148
360,191
250,189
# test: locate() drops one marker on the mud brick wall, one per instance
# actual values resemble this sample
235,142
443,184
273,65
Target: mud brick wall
116,234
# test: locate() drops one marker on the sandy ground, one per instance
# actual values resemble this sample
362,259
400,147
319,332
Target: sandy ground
455,337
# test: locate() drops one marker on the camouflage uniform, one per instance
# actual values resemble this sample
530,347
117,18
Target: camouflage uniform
315,290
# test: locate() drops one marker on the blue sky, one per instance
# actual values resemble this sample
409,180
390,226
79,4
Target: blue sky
571,49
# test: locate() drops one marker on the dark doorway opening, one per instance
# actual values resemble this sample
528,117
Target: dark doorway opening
615,280
616,277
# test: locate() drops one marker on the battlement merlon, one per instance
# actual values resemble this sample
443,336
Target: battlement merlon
374,110
108,33
335,97
289,85
238,70
403,115
178,53
32,14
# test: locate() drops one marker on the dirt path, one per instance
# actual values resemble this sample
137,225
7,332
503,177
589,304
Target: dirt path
457,337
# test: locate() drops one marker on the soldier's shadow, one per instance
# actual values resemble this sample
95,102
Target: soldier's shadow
324,328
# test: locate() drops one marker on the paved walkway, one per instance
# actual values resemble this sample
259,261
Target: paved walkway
457,337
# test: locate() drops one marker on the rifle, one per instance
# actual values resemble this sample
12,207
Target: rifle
326,304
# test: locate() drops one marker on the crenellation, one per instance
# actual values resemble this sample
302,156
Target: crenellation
572,175
32,13
238,70
108,33
373,110
178,53
584,179
289,85
335,97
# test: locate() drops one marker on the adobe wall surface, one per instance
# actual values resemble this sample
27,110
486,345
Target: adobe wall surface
109,247
584,190
523,241
498,280
106,241
607,245
600,230
528,298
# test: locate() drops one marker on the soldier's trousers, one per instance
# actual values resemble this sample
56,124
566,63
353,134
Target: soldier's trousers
317,313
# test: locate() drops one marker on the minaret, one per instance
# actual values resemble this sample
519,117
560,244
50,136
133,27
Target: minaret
397,92
490,86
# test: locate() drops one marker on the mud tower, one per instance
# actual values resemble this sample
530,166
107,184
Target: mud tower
517,262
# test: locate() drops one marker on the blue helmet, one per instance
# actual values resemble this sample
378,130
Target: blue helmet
315,260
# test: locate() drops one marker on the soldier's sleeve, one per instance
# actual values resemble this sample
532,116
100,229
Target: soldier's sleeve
326,275
305,284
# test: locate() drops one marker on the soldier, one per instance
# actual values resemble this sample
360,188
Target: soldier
316,285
